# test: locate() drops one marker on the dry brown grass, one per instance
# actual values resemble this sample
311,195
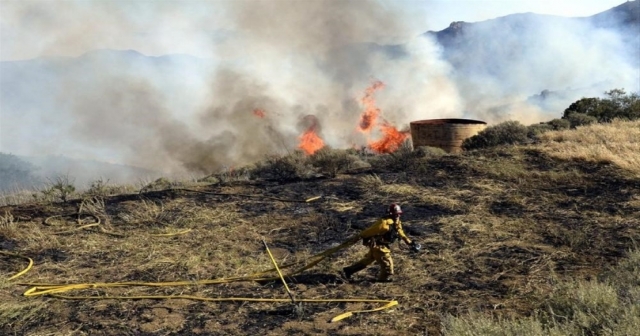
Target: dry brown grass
370,183
428,196
17,197
29,235
617,142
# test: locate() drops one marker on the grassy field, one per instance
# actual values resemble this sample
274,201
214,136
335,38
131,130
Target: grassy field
523,240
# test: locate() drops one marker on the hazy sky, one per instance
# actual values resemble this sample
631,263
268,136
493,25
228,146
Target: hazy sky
33,28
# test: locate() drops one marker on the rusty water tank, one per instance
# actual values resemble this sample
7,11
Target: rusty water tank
447,134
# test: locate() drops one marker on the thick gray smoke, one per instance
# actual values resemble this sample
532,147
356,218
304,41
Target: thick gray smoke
289,59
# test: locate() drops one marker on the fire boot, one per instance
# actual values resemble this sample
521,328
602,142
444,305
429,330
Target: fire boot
349,271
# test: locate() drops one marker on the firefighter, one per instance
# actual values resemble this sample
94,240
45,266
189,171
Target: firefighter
378,238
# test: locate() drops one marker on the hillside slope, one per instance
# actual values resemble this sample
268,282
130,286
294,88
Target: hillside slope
500,228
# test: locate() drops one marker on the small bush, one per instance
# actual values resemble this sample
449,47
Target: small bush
290,167
211,179
61,187
399,160
506,133
593,306
428,152
231,175
478,324
610,306
626,278
101,187
559,124
159,184
533,131
580,119
98,187
331,162
404,158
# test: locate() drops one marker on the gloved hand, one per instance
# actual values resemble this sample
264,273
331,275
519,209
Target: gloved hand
415,247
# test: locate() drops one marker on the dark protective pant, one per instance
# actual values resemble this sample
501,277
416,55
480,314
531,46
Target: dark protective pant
382,256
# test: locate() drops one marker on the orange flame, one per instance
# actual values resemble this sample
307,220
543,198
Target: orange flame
259,113
310,142
371,112
391,140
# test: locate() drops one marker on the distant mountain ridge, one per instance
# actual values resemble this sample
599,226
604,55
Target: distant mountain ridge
625,16
531,53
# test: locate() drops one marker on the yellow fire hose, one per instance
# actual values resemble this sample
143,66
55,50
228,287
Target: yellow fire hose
249,196
54,290
275,265
19,256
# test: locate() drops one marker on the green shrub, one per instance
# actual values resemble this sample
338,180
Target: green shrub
559,124
477,324
161,183
506,133
536,129
294,166
426,151
552,125
617,105
102,188
399,160
61,187
211,179
610,306
331,161
593,306
580,119
231,175
626,278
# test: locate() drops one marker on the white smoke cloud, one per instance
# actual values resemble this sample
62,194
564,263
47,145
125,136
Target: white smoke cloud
521,55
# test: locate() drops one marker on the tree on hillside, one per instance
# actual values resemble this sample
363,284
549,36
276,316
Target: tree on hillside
616,105
15,173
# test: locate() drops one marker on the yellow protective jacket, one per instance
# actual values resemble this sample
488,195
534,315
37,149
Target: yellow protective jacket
375,234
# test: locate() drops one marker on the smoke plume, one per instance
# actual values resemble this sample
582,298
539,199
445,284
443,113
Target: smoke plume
287,59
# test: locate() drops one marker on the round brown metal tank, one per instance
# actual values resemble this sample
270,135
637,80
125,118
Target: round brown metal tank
447,134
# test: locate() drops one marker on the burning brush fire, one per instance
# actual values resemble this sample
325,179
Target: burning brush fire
392,138
371,112
259,113
310,142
